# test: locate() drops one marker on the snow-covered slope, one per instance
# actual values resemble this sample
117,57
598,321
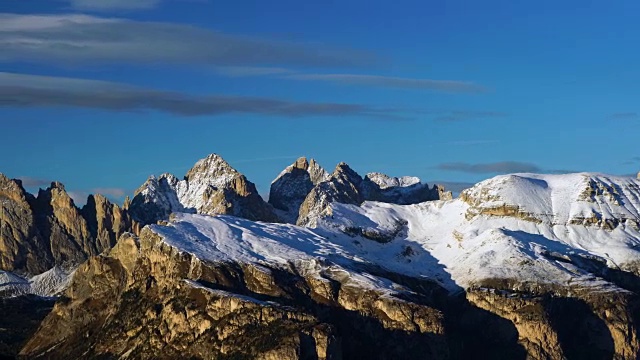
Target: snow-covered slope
524,230
48,284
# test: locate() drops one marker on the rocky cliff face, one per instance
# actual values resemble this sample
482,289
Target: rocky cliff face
405,190
150,300
211,187
22,247
343,186
521,266
292,186
42,240
41,232
346,186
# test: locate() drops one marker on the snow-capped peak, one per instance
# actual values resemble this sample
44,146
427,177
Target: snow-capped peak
212,186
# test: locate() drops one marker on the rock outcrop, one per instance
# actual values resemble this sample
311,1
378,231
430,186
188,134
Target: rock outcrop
149,300
343,186
22,247
41,232
105,221
405,190
211,187
346,186
292,186
146,298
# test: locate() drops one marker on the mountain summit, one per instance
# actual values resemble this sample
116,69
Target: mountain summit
292,186
211,187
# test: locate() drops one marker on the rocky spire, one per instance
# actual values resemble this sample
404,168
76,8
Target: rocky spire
22,248
292,186
346,186
105,221
49,230
343,186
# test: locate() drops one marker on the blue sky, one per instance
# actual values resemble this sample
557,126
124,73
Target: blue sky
99,94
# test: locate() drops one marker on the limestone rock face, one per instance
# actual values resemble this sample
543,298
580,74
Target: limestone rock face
61,222
47,230
403,191
343,186
346,186
106,221
146,299
583,326
22,247
292,186
150,301
211,187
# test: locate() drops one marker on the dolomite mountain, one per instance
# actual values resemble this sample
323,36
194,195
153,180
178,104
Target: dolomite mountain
46,231
520,266
304,191
43,239
211,187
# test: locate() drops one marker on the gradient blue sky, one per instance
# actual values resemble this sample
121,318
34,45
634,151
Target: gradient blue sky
99,94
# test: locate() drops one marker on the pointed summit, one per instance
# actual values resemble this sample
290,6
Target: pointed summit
210,187
342,186
39,233
213,167
291,187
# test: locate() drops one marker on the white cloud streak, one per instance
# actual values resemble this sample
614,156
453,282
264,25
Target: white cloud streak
22,90
88,40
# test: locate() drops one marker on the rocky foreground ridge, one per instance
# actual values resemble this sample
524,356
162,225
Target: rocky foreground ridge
519,266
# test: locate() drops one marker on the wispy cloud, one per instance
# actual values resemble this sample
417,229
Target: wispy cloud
108,5
471,142
247,71
634,160
31,182
462,115
83,39
502,167
115,195
453,86
561,171
21,90
78,197
625,116
110,192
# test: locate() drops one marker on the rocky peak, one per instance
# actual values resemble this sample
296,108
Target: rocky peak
21,246
348,187
106,221
211,187
47,230
291,187
212,169
401,190
343,186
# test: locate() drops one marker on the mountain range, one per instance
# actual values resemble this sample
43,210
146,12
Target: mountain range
334,265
